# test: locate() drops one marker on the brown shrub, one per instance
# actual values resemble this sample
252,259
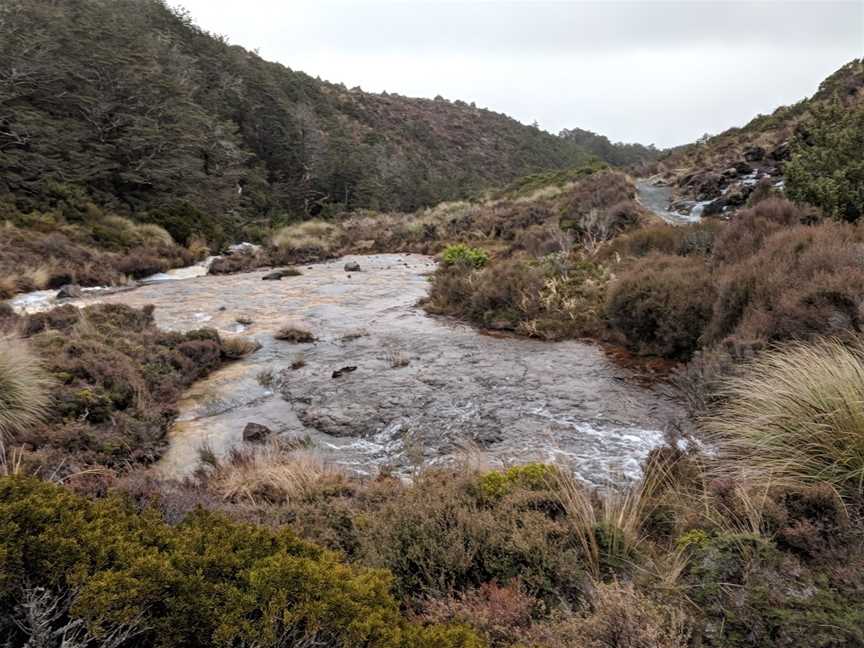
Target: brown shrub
805,281
500,612
681,240
118,377
618,616
662,304
749,228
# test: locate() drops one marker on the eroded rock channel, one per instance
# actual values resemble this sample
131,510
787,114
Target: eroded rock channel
423,390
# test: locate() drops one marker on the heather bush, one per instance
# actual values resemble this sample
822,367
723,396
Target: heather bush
118,379
803,282
662,304
205,582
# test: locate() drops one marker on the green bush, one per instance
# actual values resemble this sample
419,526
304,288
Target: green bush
206,582
827,168
460,254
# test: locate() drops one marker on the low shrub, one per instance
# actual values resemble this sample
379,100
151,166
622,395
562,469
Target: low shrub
205,582
463,255
662,304
803,282
118,378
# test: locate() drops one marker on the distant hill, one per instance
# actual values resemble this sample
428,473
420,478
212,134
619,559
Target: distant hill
131,102
617,154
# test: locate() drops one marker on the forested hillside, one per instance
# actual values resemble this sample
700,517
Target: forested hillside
131,102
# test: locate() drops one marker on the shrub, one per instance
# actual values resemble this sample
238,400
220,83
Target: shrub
463,255
826,168
118,379
749,228
205,582
662,304
796,416
440,536
25,388
803,282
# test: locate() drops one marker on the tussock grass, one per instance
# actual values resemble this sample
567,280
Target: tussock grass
795,416
314,235
294,332
276,472
25,387
238,347
609,526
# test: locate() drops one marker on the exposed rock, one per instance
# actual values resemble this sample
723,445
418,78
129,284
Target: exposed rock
781,153
70,291
352,266
256,433
754,154
743,168
714,208
277,275
343,371
242,248
244,321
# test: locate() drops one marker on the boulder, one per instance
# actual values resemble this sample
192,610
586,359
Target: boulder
743,168
352,266
277,275
754,154
70,291
256,433
344,370
781,153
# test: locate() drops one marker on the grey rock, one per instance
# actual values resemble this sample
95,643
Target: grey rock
352,266
256,433
341,372
70,291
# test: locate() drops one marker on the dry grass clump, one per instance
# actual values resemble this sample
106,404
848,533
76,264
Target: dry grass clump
311,239
238,347
25,388
795,416
294,332
617,615
274,472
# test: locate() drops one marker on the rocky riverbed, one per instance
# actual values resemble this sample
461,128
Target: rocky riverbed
386,385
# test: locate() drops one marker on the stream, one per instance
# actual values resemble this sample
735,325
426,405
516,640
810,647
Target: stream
658,198
425,389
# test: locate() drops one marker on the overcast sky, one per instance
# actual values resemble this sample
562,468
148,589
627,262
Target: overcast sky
649,71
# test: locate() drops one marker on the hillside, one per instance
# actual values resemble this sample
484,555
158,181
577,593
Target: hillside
133,103
722,170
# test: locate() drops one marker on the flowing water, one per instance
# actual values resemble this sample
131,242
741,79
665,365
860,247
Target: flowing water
658,198
425,389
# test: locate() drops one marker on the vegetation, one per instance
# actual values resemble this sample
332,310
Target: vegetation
463,255
826,169
795,416
157,118
25,389
206,582
115,379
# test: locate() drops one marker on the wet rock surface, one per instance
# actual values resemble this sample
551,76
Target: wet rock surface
452,388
